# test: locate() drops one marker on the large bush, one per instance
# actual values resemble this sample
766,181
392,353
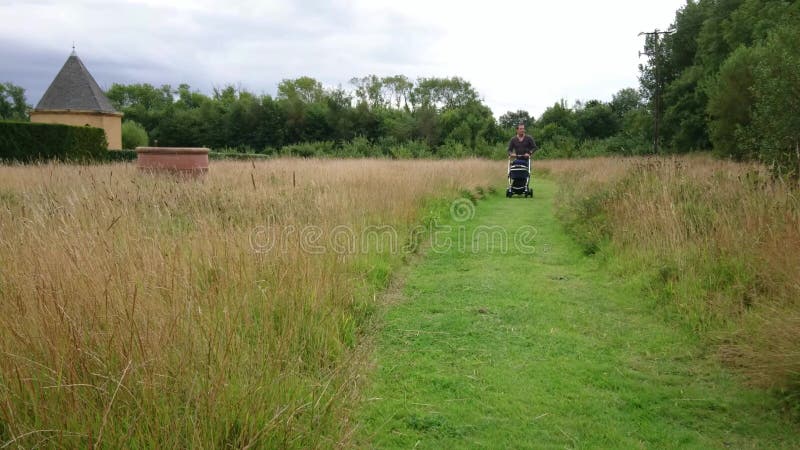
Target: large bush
26,142
133,135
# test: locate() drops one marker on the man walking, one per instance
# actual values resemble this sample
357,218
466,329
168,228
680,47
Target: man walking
521,146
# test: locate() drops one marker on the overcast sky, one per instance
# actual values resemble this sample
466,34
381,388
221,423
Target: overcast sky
518,55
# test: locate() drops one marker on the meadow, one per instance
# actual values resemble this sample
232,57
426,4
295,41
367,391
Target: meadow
147,311
235,310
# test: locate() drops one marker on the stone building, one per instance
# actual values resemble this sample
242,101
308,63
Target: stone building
74,98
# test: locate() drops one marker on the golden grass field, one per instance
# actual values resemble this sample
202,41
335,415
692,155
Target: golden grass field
134,310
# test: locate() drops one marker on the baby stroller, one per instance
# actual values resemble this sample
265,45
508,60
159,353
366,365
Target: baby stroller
519,177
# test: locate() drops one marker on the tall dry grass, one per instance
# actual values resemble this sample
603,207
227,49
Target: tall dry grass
721,239
134,311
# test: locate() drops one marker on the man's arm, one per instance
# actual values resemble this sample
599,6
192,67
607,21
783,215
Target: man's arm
534,147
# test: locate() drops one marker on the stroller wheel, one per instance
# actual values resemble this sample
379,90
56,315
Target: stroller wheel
509,194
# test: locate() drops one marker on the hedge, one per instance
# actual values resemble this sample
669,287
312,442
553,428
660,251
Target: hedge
236,156
27,142
120,155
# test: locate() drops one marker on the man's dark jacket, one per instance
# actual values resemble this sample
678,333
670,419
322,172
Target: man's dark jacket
521,147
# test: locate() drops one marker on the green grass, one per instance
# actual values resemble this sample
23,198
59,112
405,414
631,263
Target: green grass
547,350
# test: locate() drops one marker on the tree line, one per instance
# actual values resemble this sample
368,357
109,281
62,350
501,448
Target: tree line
444,116
376,116
431,111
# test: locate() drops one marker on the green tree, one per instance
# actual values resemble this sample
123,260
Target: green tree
142,103
145,96
624,101
513,118
469,125
398,90
339,117
713,46
242,118
13,105
442,93
596,120
184,128
776,116
682,44
555,140
426,125
272,125
562,116
133,135
730,103
303,89
304,101
684,125
370,90
189,99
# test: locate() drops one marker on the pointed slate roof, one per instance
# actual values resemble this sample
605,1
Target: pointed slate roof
74,88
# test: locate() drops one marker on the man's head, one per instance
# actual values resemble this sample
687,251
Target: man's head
521,130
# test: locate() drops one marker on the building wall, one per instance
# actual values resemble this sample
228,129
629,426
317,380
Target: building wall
110,123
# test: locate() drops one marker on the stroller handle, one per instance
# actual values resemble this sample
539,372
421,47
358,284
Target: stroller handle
515,156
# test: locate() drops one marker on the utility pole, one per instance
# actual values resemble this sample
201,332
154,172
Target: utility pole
657,101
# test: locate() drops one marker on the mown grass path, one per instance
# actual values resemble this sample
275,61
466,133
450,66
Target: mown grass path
494,349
